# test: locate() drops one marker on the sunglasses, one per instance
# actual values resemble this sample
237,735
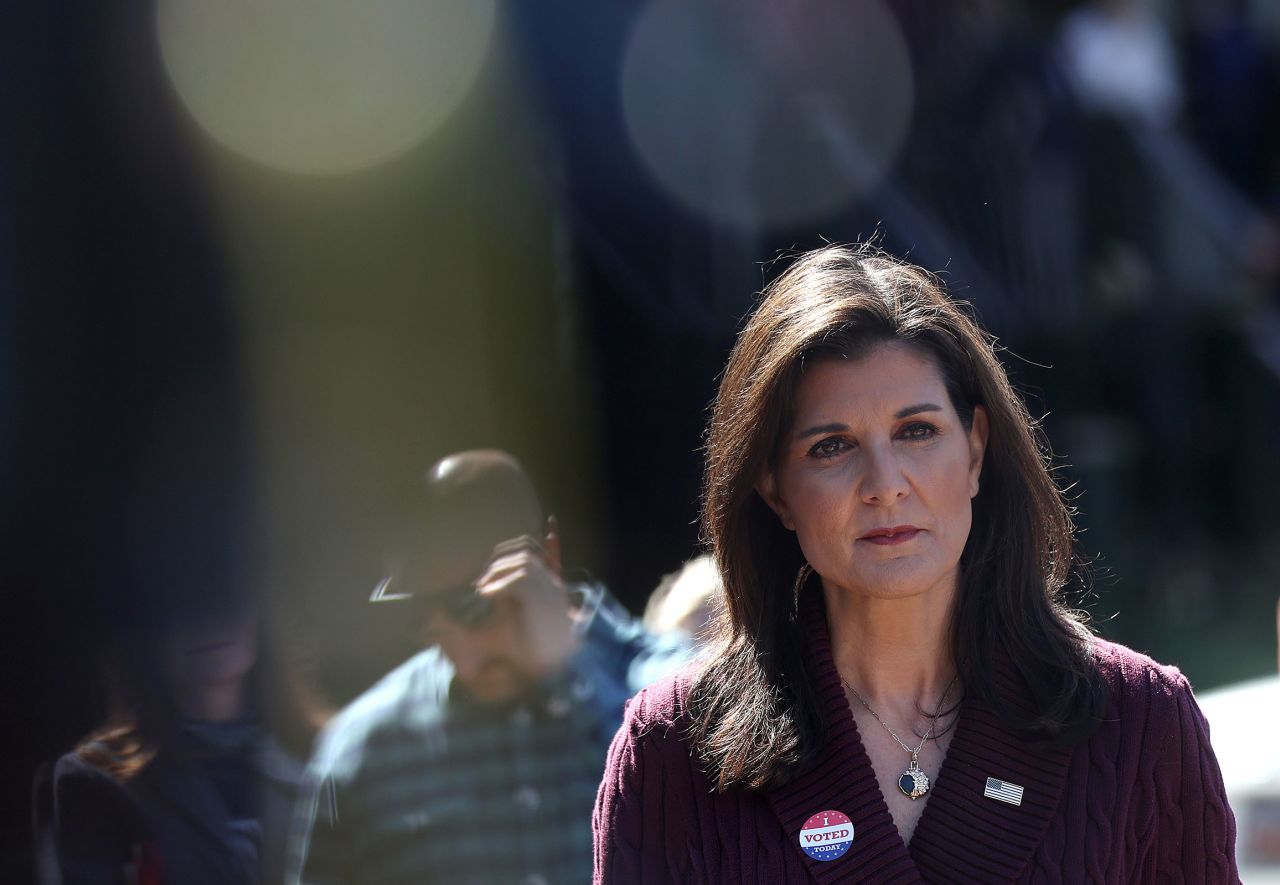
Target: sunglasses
462,604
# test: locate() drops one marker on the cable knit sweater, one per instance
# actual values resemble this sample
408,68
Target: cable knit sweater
1140,801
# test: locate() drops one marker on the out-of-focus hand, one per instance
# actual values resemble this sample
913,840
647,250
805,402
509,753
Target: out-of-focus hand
523,577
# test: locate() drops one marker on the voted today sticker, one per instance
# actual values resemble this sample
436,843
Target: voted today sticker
827,835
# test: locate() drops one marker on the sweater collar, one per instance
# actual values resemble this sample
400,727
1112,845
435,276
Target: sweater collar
961,835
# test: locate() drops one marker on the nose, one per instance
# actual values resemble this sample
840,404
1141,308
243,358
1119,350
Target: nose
463,651
469,650
883,480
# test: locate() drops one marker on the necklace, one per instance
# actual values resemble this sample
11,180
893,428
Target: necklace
913,783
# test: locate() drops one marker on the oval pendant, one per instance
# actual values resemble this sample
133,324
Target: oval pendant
913,783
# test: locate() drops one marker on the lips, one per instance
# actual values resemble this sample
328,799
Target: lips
898,534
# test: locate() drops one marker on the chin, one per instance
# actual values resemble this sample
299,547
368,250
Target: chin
896,580
496,686
221,667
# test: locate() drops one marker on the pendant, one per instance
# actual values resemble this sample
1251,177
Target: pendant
914,783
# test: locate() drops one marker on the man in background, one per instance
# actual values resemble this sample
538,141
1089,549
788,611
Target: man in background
478,759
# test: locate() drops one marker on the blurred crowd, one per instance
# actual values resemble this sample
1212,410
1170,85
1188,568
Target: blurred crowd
477,760
260,268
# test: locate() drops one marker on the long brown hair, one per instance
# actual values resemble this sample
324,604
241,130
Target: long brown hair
756,720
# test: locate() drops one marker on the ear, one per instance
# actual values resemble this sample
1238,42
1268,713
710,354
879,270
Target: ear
767,488
977,447
551,545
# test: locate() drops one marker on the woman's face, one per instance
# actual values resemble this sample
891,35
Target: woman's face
211,650
876,445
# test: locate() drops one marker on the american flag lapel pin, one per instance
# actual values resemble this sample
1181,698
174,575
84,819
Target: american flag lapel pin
1003,791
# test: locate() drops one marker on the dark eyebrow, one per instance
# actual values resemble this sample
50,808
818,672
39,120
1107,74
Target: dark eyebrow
823,428
844,428
915,410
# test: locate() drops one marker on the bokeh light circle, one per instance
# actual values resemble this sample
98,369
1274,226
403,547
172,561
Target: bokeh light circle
323,86
763,113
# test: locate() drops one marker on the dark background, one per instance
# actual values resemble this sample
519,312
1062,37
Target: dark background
217,371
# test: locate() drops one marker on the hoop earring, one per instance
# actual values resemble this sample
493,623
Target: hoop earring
802,578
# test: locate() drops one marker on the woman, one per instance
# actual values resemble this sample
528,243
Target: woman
899,693
194,776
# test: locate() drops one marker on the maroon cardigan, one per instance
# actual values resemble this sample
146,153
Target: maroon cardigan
1140,801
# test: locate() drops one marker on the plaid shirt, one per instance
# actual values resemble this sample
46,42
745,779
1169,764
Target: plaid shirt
411,783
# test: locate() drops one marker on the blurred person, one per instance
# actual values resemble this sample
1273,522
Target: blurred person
687,600
477,760
1120,60
193,777
1232,73
1237,714
899,692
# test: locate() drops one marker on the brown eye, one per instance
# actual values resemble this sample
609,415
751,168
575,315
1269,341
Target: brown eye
919,431
828,448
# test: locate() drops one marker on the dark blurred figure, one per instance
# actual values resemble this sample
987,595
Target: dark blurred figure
1233,86
115,307
477,760
194,776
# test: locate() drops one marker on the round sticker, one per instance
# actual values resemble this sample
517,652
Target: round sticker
827,835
